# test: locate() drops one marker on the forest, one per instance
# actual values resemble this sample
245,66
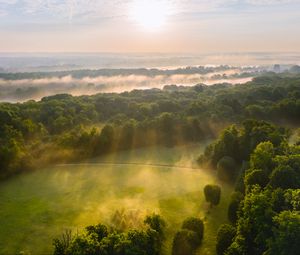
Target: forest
133,71
86,126
253,146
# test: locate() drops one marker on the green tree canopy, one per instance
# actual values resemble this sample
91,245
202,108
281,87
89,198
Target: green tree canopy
225,237
212,194
286,234
196,225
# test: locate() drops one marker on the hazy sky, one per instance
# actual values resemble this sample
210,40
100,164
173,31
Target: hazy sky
149,25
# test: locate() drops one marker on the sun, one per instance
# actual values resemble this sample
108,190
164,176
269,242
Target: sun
150,14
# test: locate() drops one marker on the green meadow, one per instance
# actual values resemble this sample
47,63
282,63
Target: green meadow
38,206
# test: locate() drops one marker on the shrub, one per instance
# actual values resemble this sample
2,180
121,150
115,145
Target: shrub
212,194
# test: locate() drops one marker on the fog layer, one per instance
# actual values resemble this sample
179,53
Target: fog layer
18,90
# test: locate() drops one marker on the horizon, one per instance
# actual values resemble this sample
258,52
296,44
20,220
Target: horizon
152,52
66,61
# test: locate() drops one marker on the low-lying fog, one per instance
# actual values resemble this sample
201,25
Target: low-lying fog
46,62
18,89
23,86
26,76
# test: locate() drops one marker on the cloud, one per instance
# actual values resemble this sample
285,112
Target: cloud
3,13
8,1
67,9
214,5
90,9
271,2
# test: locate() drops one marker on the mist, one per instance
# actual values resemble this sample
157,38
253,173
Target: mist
35,89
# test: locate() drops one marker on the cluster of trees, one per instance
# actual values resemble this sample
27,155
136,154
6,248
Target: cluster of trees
264,209
121,238
232,150
100,239
189,238
172,116
147,240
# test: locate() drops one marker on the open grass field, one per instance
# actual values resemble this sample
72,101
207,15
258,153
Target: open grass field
36,207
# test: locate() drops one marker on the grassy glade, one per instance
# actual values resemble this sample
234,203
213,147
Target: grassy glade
45,202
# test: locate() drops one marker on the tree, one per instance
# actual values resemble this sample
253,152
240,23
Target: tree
196,225
105,139
256,132
166,128
256,177
99,240
254,225
292,197
226,169
185,242
63,243
280,200
83,245
99,230
156,223
212,194
189,237
285,240
262,157
225,237
255,111
13,154
127,135
226,145
233,207
284,177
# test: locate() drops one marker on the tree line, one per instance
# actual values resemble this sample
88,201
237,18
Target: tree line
264,209
74,126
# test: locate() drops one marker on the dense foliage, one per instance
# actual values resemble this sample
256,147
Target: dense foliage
264,210
99,239
63,127
212,194
225,236
189,238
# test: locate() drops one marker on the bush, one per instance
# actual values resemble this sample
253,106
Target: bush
196,225
225,237
156,223
212,194
98,239
185,242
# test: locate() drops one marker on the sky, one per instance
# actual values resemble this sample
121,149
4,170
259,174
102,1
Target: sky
167,26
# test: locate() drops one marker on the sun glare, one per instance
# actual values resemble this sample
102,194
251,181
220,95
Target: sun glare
151,15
